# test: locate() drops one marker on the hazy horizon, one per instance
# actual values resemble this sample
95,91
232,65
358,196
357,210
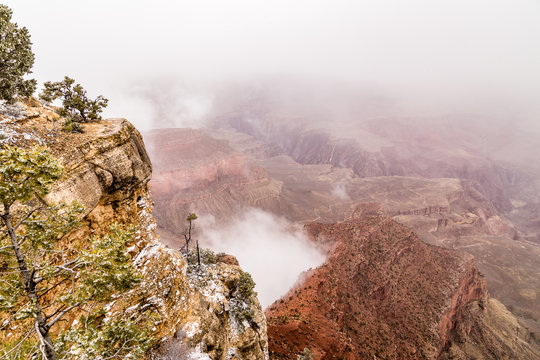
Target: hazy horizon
165,59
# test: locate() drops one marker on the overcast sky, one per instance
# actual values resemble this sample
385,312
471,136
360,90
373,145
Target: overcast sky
462,54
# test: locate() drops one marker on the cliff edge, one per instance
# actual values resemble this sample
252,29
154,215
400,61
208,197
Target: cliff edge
195,311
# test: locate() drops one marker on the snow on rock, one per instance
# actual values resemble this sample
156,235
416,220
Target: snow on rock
15,111
108,171
213,323
9,134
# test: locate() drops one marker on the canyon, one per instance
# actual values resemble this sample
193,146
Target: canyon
450,185
418,263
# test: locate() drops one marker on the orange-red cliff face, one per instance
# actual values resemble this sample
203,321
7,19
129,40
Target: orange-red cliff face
382,292
192,167
189,159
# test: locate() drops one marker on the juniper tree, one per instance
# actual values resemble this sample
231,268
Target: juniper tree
76,106
43,277
16,58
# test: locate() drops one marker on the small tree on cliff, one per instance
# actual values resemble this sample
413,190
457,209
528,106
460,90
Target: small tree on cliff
16,58
187,232
42,276
76,106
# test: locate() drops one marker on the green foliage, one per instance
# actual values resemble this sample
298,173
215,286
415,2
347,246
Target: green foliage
246,285
191,217
95,338
16,350
72,126
43,276
243,310
106,267
92,338
76,106
16,58
244,314
24,173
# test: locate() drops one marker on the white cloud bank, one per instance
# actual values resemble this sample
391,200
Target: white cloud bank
433,56
270,248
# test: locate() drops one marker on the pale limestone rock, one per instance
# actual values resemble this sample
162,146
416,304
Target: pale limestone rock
109,176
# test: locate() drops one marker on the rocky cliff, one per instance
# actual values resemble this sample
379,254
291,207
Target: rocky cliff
195,311
383,293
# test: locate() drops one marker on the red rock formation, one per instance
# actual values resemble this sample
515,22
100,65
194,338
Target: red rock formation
382,292
192,167
471,287
189,159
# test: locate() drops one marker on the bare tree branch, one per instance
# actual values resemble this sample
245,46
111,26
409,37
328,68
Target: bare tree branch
52,287
59,316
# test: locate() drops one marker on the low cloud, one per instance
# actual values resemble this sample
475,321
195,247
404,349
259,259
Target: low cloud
340,191
168,103
429,57
270,248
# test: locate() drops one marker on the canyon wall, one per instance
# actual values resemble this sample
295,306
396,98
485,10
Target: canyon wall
194,311
381,293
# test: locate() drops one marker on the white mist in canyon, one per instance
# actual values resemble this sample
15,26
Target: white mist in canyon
273,250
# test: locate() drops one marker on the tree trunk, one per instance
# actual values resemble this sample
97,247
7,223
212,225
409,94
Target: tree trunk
47,348
30,286
198,254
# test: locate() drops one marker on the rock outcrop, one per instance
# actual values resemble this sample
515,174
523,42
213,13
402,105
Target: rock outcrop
107,171
383,293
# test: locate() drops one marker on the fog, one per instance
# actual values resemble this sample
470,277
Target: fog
180,63
163,62
340,191
270,248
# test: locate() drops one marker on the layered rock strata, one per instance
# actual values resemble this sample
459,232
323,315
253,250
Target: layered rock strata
107,171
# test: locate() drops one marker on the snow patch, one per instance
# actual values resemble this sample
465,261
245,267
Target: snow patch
191,329
197,354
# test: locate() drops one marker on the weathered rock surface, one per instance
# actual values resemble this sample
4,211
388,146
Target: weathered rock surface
107,171
383,293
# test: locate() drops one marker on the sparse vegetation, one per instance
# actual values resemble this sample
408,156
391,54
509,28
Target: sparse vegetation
97,339
246,285
16,58
76,107
206,256
306,355
188,232
243,310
